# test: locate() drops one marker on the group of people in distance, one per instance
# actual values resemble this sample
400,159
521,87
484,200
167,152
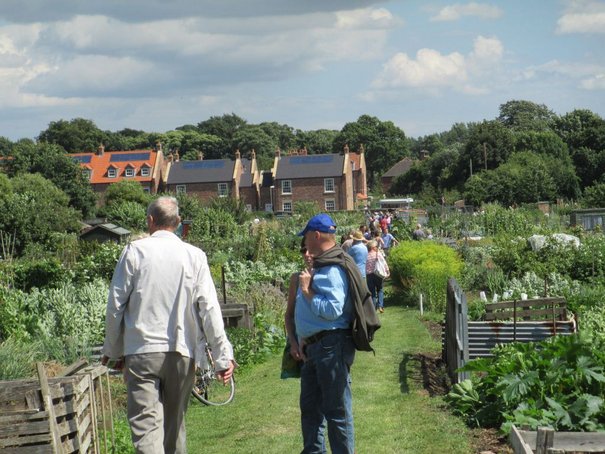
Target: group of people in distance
162,301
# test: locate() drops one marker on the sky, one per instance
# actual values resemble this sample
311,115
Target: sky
155,65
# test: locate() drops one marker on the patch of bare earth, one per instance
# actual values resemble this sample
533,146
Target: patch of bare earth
437,383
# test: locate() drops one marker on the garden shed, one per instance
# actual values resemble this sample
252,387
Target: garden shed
106,232
589,219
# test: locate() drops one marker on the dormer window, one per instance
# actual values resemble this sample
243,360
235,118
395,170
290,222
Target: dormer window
87,173
129,172
145,171
112,172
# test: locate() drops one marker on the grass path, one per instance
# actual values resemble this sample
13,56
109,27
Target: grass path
393,414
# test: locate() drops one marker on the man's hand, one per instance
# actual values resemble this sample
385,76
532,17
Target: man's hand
304,280
118,364
226,374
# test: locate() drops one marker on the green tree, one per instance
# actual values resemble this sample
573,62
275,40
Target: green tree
126,191
225,127
190,143
35,210
489,145
282,134
319,141
594,196
384,143
75,136
250,138
526,116
53,163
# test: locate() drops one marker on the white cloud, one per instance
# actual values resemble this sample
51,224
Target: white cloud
432,70
92,56
458,11
429,69
582,16
594,83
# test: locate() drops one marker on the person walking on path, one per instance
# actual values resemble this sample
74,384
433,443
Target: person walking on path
388,240
374,282
161,301
323,316
359,252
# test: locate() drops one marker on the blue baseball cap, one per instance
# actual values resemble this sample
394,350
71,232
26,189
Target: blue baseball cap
319,223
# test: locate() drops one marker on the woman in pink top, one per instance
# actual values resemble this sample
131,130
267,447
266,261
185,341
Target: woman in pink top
374,282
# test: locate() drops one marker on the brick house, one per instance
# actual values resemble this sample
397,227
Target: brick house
207,179
327,179
104,168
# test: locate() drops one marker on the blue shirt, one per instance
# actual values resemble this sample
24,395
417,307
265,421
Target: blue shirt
359,252
388,239
330,307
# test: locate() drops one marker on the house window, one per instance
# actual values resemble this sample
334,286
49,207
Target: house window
223,190
330,205
145,171
129,172
112,173
147,190
87,174
286,187
181,189
328,184
287,207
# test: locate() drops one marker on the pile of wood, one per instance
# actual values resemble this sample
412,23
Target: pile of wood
56,415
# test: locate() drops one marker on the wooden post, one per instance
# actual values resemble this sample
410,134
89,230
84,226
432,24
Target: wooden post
48,404
544,440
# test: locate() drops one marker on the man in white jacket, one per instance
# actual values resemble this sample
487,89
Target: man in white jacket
160,297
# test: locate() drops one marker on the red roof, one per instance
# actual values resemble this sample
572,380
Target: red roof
119,160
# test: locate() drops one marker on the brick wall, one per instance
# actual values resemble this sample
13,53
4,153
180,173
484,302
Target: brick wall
311,189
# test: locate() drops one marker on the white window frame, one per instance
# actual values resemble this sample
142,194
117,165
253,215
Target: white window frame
112,172
286,187
145,171
129,172
327,183
329,202
223,189
87,173
181,189
286,206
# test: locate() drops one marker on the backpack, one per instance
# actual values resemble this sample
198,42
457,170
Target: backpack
365,321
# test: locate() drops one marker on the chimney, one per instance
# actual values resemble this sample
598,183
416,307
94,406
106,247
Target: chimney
345,149
170,157
362,150
303,151
252,155
176,156
277,153
158,146
200,156
101,150
237,154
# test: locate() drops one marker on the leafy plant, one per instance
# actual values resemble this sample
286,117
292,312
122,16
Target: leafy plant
558,383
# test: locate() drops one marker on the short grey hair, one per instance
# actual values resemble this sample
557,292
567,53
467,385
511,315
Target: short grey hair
165,212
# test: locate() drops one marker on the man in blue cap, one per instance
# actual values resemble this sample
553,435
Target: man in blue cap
323,316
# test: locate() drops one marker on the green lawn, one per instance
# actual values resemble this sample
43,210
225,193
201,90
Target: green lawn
393,414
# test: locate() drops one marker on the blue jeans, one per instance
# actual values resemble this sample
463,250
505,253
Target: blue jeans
325,394
375,287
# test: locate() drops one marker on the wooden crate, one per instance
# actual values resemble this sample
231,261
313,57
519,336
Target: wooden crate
51,415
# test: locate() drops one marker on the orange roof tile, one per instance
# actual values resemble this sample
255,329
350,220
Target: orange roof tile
118,160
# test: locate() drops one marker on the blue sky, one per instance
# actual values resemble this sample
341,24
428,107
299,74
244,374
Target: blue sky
155,65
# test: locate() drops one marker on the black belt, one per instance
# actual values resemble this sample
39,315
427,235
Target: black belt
318,336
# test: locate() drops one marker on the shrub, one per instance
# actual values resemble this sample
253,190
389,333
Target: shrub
423,267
